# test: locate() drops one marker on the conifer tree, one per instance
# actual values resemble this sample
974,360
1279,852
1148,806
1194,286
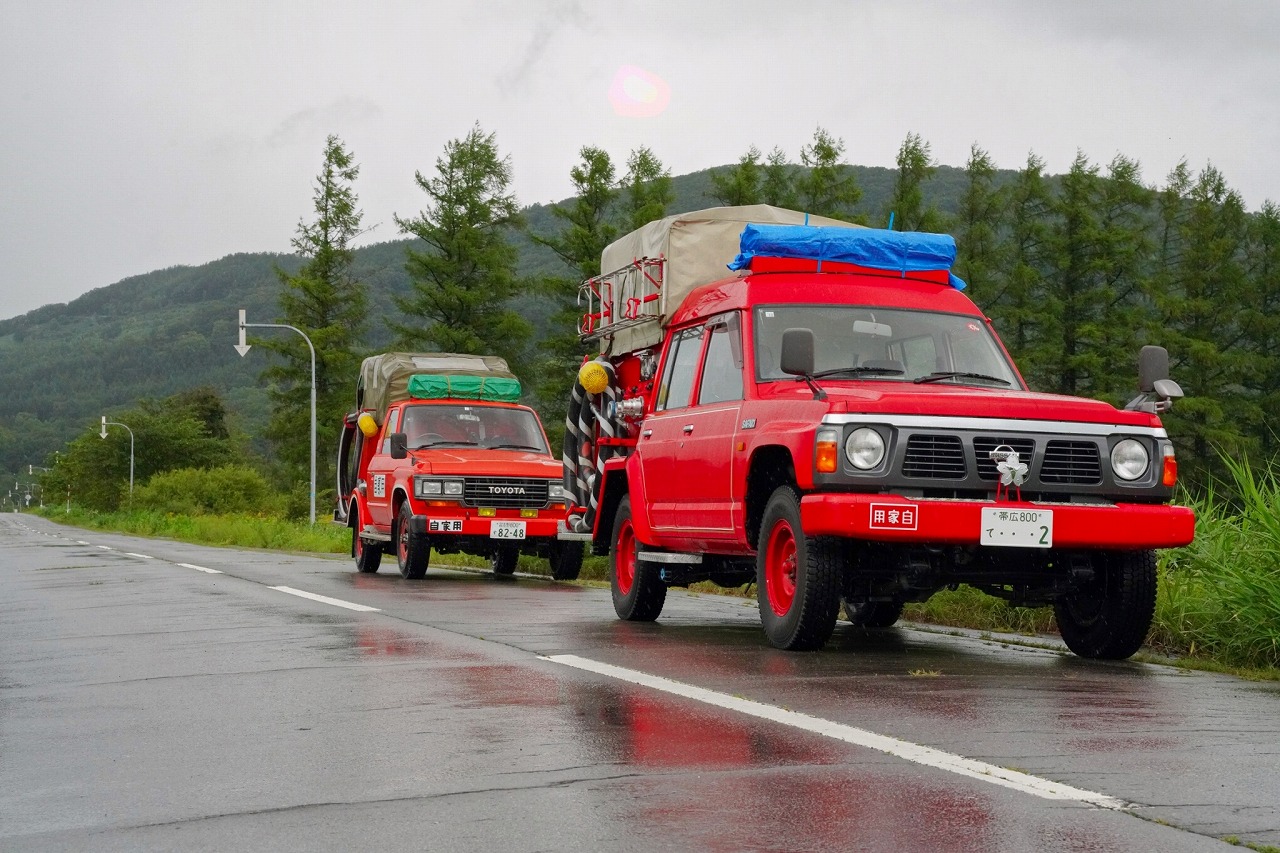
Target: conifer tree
980,255
1022,304
1205,317
777,186
587,230
907,205
326,301
1262,324
646,189
463,272
829,186
739,184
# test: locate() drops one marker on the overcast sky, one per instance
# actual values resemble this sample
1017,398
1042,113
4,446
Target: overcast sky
139,135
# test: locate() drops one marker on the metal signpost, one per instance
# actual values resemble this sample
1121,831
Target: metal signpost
243,348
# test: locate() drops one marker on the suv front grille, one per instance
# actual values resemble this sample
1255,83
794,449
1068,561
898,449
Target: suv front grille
1071,462
505,492
939,457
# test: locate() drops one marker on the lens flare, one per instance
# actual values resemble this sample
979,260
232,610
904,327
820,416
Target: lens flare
637,93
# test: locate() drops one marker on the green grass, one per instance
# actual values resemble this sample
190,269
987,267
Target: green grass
1218,604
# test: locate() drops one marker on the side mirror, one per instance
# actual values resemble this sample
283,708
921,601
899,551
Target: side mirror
1156,391
1153,365
399,445
797,352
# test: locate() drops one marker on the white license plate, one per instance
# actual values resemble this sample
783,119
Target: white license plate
506,530
1017,528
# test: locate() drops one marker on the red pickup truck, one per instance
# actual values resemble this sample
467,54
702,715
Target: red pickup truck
438,454
831,418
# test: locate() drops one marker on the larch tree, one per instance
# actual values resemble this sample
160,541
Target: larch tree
980,257
646,189
1021,305
777,184
586,230
907,208
463,272
827,186
1205,319
740,183
327,302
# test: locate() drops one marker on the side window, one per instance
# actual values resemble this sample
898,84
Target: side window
393,421
677,381
722,370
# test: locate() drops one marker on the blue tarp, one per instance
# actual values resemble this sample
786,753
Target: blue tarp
899,251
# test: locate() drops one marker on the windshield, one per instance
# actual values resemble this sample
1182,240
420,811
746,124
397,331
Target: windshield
884,344
472,426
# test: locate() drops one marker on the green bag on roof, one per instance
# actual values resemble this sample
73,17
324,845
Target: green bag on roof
444,386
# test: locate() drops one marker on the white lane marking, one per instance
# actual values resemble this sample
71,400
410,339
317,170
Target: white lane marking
200,569
80,542
324,599
139,556
106,548
917,753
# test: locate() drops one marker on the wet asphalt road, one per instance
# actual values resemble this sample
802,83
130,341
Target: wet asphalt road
147,703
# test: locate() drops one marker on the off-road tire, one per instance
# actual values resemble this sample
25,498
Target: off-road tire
368,555
797,577
565,560
413,553
638,592
503,561
873,614
1108,618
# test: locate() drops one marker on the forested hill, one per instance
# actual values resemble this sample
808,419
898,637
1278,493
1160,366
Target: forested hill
148,336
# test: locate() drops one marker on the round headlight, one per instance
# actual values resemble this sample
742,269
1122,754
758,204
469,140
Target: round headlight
1129,459
864,448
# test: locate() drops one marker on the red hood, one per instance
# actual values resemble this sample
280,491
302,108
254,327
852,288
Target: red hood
486,462
939,400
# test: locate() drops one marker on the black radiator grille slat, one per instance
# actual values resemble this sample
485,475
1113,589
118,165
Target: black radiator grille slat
1071,462
505,492
983,445
938,457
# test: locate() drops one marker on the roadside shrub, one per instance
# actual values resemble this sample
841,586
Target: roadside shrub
1220,595
230,489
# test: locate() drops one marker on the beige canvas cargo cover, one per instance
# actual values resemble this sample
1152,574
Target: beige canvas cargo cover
698,247
384,379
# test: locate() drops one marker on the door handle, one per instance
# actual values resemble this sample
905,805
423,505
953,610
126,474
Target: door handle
688,428
646,433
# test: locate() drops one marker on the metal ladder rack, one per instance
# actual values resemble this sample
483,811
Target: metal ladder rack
626,296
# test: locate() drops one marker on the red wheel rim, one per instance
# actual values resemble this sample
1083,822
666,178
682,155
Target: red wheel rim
402,546
780,568
625,557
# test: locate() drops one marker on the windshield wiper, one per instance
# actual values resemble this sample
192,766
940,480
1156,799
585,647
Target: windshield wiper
432,444
514,447
859,371
959,374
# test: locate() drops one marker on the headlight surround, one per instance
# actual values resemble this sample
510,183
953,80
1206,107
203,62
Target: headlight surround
864,448
425,487
1130,459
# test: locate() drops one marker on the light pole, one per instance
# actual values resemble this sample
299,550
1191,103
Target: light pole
106,423
243,348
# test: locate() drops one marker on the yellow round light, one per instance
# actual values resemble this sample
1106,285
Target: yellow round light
594,377
368,425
